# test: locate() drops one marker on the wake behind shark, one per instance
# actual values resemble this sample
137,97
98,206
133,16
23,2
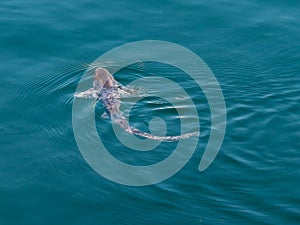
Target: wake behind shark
108,91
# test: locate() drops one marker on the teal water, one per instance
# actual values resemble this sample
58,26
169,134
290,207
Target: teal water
251,46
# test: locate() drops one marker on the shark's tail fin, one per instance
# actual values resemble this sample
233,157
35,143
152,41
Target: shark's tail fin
122,122
161,138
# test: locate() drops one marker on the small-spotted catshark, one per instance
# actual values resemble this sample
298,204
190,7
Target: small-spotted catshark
107,90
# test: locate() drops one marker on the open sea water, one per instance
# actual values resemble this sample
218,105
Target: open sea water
253,49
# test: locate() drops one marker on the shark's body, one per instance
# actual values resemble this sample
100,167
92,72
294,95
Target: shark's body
107,90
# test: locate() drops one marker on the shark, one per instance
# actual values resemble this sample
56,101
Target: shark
107,90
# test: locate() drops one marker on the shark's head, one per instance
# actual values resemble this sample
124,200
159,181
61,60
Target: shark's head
102,78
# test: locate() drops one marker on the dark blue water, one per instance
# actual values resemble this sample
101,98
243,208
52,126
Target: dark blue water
251,46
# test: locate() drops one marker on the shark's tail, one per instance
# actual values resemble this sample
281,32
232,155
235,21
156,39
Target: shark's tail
122,122
161,138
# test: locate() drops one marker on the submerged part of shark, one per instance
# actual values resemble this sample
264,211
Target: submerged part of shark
107,90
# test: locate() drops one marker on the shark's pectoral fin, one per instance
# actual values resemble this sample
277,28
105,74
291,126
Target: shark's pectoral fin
90,93
128,91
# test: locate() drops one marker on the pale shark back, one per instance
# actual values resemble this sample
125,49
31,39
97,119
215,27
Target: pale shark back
103,80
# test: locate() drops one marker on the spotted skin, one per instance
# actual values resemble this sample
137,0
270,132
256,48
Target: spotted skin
107,90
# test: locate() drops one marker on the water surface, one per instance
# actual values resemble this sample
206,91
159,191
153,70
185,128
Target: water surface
251,46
